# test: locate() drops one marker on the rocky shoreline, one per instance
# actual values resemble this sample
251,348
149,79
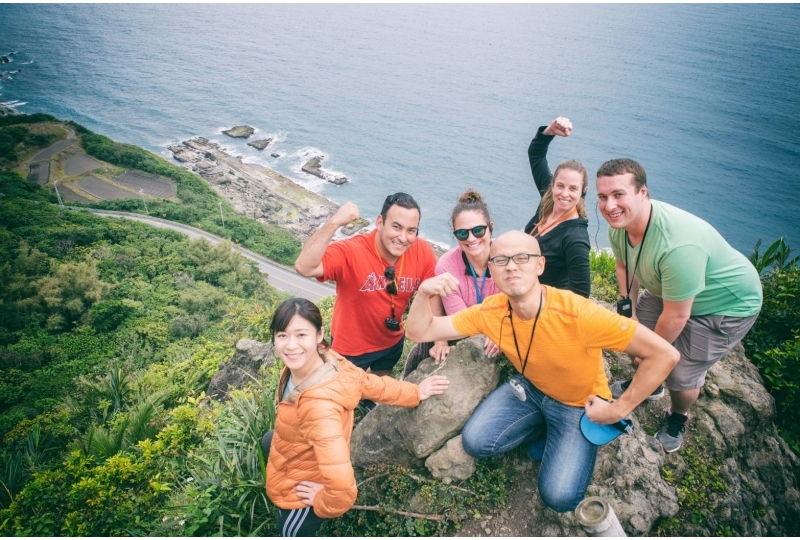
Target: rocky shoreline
314,167
258,192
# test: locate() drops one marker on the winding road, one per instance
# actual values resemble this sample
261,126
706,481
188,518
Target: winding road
278,276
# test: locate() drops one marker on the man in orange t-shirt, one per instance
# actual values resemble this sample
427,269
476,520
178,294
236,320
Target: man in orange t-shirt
376,274
554,338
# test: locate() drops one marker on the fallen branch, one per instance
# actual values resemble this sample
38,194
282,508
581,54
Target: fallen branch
430,517
370,479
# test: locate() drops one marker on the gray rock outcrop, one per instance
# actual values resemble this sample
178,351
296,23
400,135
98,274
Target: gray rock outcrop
314,167
260,144
734,472
243,368
451,462
239,132
408,436
253,190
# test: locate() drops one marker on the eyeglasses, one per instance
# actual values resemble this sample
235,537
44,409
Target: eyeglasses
519,258
391,283
477,232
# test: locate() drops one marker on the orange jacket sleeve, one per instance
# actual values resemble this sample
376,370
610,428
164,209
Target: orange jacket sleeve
389,391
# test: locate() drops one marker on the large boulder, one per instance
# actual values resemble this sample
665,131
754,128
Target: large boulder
408,436
451,462
243,368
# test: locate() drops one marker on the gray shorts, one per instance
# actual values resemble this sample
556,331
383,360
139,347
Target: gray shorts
704,340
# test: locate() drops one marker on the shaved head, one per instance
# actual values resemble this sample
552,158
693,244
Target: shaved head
513,242
517,281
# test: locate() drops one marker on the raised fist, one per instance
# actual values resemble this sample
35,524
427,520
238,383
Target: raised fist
442,285
347,213
561,126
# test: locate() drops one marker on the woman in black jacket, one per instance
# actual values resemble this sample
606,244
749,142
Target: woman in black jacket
560,223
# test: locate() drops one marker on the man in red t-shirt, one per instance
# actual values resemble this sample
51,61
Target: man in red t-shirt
376,275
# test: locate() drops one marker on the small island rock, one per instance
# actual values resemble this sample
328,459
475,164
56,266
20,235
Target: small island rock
260,144
240,132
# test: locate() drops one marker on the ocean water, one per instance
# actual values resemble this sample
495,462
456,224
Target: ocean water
433,99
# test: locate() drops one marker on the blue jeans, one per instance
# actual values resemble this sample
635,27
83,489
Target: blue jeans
503,422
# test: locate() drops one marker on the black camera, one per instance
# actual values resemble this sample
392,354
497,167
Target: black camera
392,324
625,307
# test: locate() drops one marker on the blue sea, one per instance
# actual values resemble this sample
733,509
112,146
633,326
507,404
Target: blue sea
433,99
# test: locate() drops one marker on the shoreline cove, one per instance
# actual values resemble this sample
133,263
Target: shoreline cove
263,194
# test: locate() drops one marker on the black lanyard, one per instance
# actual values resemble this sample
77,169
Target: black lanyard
641,247
533,331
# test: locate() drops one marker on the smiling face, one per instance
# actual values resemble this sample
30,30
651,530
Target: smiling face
619,201
567,189
397,232
477,249
517,281
298,346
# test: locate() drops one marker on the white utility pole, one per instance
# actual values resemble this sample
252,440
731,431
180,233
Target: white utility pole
141,194
60,202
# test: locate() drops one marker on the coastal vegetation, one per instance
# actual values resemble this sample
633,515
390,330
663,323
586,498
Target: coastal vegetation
110,331
773,344
198,205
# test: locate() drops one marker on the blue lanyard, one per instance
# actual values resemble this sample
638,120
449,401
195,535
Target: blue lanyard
478,291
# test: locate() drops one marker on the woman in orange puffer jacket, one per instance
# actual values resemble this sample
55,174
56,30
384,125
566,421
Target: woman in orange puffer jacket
309,475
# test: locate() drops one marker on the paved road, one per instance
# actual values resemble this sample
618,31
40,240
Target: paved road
52,150
278,276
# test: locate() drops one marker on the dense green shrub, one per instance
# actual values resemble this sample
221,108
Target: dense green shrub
602,267
15,138
773,344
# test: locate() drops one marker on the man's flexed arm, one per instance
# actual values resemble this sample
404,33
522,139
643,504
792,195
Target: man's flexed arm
421,325
309,262
657,360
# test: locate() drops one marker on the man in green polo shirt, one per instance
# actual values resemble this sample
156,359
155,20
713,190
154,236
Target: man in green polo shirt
700,294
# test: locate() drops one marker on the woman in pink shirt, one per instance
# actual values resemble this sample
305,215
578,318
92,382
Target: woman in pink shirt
469,262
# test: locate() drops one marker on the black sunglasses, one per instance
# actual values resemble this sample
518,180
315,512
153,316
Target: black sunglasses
477,232
391,285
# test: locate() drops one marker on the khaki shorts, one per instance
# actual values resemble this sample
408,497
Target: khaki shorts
704,340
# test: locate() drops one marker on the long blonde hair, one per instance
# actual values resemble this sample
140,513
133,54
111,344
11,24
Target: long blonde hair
547,204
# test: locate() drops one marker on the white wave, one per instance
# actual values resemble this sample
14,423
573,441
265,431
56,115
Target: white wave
333,173
306,180
255,160
276,137
308,152
26,63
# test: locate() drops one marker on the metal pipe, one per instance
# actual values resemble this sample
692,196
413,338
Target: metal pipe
597,518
